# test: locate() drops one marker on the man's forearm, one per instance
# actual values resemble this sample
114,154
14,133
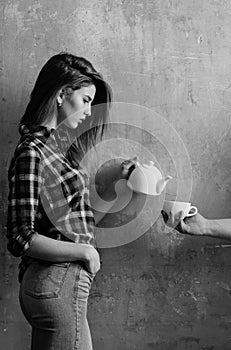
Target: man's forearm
219,228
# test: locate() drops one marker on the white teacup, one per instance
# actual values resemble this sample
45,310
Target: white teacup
175,207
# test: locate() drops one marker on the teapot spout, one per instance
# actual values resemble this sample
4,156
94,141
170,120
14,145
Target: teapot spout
161,184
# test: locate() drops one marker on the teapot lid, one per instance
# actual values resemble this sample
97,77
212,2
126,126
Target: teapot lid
150,164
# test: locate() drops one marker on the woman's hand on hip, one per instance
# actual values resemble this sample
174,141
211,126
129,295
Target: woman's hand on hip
91,258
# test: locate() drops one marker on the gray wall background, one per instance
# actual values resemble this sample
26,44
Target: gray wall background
162,291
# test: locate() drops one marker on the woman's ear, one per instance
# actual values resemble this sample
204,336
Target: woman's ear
59,100
60,97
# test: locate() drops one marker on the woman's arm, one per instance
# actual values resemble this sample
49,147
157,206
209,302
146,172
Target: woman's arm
49,249
102,205
117,194
116,197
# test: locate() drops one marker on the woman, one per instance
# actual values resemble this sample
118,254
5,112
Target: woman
50,221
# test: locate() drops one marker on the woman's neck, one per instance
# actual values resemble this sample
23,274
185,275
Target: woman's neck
50,124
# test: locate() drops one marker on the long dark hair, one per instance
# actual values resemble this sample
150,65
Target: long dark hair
68,72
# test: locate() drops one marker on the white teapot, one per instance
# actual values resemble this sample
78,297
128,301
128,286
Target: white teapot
147,179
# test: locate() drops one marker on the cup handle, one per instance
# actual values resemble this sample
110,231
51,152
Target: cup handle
192,211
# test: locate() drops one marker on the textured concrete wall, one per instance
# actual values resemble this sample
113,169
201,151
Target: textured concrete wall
162,291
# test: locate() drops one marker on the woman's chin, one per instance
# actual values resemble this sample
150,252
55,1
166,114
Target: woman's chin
72,125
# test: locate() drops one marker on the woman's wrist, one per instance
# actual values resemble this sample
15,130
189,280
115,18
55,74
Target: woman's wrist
84,252
109,173
109,194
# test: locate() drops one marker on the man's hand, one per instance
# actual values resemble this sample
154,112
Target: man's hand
195,225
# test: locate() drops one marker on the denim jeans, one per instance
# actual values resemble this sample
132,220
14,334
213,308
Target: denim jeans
53,298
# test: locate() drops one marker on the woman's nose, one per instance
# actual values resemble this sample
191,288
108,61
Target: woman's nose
88,111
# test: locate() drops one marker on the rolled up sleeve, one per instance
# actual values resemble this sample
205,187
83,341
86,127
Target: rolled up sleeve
25,183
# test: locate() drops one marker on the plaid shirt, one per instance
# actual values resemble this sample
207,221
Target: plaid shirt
47,193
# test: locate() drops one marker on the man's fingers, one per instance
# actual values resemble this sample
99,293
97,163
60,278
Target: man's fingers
165,215
182,227
171,219
181,215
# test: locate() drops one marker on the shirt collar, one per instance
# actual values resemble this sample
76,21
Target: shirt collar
61,138
36,130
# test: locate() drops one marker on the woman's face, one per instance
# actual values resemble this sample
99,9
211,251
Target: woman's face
76,106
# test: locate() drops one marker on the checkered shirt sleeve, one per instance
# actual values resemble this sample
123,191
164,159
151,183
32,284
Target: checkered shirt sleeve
25,183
